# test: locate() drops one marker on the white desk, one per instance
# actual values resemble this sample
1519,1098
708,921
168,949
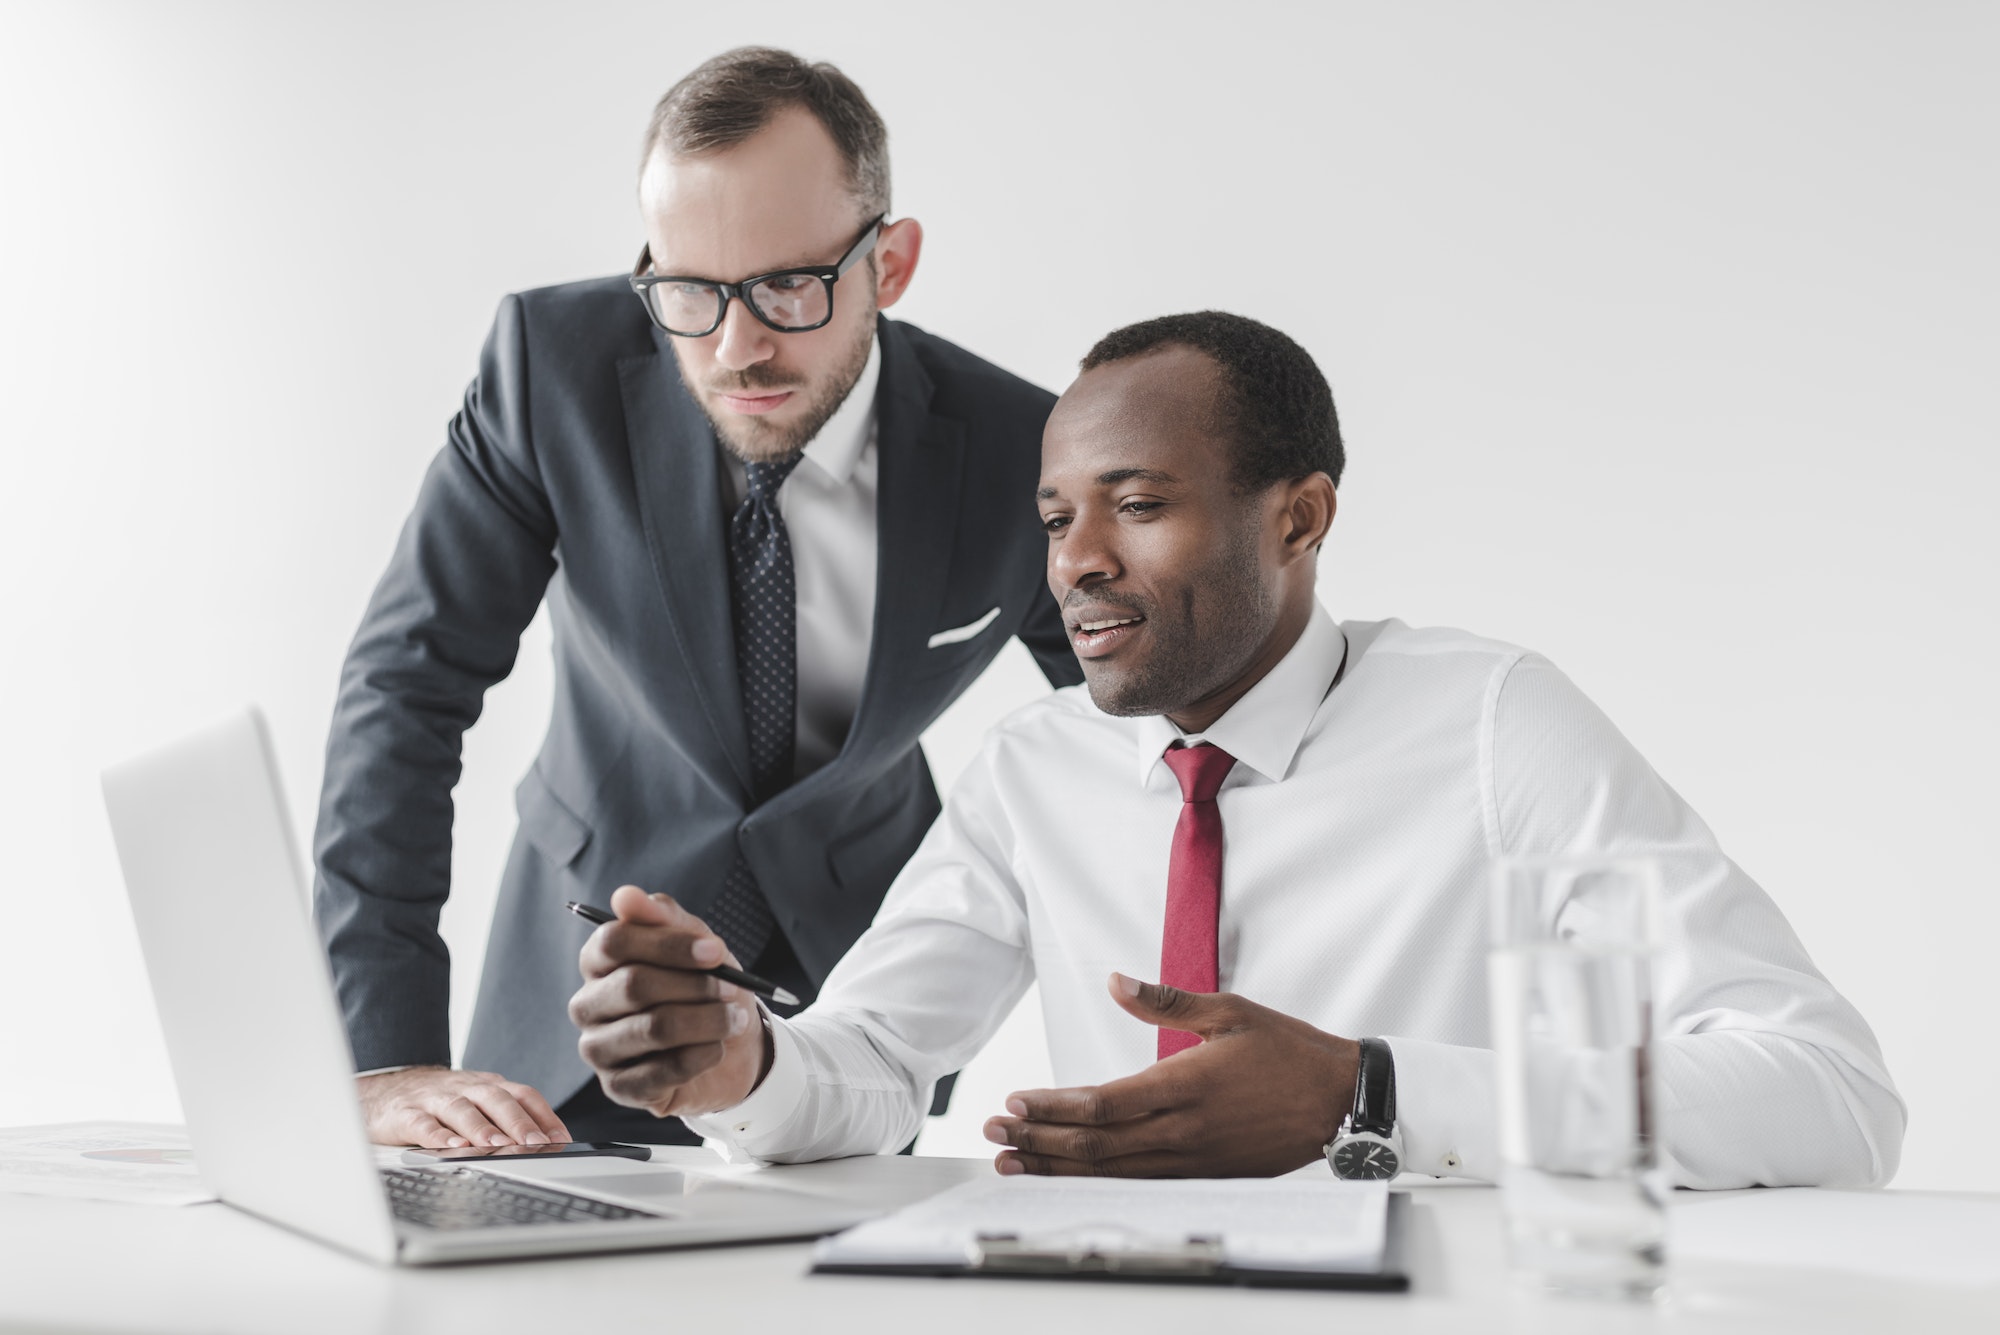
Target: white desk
82,1265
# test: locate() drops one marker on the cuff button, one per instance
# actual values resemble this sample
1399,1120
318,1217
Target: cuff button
1451,1160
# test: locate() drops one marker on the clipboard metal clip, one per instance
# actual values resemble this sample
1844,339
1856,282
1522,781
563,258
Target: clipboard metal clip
1094,1249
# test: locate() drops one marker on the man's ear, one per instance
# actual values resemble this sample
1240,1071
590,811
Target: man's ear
897,250
1310,504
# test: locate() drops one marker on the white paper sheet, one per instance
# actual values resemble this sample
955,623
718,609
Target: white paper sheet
1323,1225
135,1162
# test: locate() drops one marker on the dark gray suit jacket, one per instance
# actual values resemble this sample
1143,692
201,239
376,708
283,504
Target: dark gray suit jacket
580,469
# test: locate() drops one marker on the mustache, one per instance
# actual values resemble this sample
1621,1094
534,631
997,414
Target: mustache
750,378
1094,598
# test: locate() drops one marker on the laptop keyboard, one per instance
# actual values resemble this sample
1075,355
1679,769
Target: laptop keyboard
464,1199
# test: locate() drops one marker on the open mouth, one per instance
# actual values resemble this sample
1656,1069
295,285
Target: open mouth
1093,637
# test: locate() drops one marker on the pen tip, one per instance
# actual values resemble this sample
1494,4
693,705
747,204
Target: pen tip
783,998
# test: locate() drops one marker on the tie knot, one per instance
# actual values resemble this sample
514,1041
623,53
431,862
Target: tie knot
1201,769
765,478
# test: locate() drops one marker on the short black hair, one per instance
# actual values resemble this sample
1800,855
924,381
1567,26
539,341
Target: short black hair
1275,401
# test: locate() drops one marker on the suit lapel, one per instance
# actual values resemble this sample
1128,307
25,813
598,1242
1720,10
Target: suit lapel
921,461
922,457
680,505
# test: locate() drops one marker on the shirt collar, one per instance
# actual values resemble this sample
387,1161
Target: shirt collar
838,446
1265,728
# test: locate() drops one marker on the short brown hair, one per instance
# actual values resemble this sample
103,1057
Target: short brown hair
730,97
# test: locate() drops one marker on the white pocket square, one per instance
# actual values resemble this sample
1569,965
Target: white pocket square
965,632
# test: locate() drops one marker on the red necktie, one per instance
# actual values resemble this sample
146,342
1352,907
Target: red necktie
1194,879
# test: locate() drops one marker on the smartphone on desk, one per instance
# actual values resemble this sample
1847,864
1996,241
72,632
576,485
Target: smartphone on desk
569,1149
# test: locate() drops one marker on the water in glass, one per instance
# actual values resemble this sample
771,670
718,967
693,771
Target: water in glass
1584,1190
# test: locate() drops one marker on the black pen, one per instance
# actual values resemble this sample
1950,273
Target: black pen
749,982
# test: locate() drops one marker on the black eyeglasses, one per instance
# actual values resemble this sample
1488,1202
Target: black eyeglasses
790,301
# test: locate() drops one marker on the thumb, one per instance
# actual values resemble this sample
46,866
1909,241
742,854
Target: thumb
1169,1007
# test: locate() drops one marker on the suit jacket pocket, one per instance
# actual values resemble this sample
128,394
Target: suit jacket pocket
559,833
957,651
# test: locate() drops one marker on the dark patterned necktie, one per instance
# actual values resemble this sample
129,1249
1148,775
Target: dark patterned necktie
766,616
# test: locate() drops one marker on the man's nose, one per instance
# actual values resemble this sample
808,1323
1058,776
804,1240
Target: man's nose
743,340
1085,555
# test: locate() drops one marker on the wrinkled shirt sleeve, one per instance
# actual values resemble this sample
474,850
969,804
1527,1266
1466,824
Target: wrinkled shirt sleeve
923,990
1766,1075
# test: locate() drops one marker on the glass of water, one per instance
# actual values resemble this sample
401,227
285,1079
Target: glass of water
1582,1183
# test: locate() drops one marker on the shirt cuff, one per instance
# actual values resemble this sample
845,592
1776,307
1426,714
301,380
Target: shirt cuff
385,1070
758,1124
1445,1110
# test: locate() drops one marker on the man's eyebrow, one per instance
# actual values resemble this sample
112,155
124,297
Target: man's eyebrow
659,272
804,262
1117,475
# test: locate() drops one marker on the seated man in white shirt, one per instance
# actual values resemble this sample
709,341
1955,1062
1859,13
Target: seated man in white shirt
1372,772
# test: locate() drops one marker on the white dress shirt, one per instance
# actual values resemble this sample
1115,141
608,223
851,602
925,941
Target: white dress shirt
828,505
1359,824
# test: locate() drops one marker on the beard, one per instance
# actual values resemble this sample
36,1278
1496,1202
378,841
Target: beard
755,440
1199,647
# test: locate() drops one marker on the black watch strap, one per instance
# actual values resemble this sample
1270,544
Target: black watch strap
1375,1089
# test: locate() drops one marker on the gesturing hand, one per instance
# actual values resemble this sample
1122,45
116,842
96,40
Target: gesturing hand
660,1035
1261,1096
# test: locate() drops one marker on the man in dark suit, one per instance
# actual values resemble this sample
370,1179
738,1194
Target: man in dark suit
777,536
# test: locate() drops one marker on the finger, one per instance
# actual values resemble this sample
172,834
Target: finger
538,1108
658,1031
417,1127
681,917
652,1082
1204,1013
682,945
632,904
465,1117
1154,1089
505,1111
1057,1140
1013,1163
632,988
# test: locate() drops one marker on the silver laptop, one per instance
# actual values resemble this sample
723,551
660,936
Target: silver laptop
266,1076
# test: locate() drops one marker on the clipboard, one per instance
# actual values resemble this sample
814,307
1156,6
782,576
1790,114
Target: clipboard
1109,1253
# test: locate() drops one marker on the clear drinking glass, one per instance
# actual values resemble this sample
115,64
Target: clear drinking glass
1583,1188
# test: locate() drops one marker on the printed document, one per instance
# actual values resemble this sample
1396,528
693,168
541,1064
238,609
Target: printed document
135,1162
1282,1224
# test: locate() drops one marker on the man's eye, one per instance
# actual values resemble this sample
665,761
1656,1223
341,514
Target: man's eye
1140,507
1055,523
790,282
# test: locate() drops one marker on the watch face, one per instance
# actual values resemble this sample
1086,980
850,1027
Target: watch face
1364,1160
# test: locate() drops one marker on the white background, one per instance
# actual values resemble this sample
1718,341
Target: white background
1664,339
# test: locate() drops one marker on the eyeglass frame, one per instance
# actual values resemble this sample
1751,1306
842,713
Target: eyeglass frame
828,274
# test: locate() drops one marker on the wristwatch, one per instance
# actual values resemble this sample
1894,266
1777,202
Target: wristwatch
1367,1148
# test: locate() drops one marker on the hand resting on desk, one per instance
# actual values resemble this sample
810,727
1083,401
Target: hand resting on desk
1261,1096
442,1109
659,1035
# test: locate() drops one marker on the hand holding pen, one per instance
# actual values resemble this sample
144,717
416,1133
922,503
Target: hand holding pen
667,1020
749,982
